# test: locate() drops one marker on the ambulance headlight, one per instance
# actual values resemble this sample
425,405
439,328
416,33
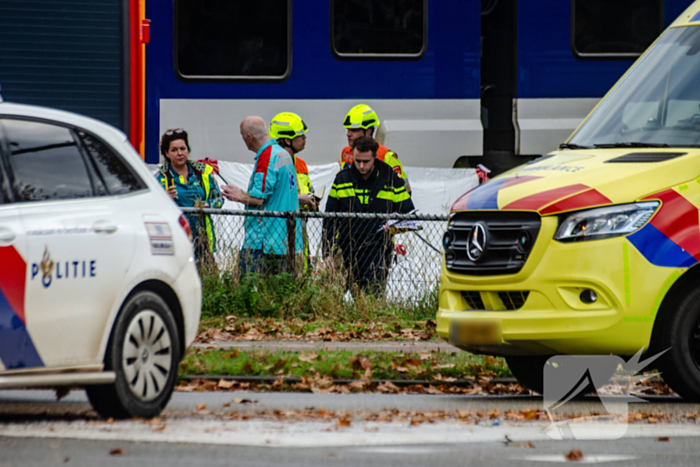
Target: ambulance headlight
613,221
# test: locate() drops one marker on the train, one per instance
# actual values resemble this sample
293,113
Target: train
454,82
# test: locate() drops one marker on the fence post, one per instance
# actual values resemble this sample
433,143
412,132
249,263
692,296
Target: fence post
291,241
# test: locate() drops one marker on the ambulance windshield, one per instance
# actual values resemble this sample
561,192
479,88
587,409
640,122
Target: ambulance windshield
657,104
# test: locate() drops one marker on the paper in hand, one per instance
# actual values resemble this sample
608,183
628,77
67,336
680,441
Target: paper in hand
395,226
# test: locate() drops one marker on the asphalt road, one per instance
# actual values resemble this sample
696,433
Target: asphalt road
36,430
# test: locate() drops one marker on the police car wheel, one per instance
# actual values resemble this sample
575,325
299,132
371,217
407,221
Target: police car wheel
529,371
680,364
144,353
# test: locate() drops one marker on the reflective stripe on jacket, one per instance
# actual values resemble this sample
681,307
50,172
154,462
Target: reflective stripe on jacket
384,193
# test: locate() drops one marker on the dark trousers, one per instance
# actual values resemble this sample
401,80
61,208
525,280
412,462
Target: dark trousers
368,272
257,262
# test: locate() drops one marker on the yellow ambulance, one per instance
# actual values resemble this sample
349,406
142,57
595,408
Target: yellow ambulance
592,249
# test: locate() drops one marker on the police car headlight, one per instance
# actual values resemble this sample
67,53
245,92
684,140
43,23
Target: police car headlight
595,224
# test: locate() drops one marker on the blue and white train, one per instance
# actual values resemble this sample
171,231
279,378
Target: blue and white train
454,82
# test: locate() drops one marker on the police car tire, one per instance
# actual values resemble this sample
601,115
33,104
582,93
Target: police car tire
678,367
529,371
117,400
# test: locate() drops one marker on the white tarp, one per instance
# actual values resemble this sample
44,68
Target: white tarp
433,190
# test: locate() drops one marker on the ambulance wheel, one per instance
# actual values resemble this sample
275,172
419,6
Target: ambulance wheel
680,364
143,351
529,371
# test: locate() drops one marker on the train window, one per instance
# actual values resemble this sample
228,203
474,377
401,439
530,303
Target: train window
379,29
620,29
233,40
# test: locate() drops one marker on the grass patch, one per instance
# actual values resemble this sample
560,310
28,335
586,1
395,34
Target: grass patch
305,296
344,364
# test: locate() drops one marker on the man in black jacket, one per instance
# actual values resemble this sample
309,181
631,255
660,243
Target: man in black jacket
367,186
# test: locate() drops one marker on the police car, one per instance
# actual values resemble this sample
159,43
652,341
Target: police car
98,285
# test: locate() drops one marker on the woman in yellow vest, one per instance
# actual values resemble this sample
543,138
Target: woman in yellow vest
190,184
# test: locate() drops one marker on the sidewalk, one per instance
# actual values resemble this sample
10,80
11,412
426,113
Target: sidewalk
301,346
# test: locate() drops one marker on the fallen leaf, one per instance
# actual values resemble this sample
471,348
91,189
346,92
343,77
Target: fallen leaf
388,387
358,385
663,438
279,382
343,422
201,406
244,401
308,357
160,428
530,414
446,365
279,364
574,455
356,362
116,452
223,384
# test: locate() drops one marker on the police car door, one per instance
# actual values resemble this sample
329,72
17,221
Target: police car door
77,256
16,347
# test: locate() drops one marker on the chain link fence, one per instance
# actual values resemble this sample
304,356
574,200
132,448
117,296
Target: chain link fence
399,255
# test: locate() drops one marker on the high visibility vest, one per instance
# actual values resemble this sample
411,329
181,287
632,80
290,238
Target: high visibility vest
204,173
304,182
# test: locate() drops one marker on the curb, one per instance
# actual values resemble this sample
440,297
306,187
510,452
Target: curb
297,379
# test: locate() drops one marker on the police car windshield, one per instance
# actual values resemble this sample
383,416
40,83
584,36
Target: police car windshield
657,103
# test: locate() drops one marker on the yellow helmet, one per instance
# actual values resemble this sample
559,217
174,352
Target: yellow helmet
287,125
361,116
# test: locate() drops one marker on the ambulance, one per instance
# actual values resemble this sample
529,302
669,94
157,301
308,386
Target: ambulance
592,249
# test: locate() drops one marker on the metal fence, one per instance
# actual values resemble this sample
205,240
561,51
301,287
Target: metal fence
400,255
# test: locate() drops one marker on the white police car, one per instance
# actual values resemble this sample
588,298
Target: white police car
98,285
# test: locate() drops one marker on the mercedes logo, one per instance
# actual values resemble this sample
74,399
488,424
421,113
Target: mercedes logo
477,242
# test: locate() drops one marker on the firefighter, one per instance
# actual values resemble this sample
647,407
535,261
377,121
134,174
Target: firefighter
362,120
369,185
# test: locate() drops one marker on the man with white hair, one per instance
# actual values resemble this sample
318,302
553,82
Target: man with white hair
272,187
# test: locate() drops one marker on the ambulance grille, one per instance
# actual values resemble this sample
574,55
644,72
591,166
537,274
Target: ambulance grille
510,237
512,300
647,157
473,299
